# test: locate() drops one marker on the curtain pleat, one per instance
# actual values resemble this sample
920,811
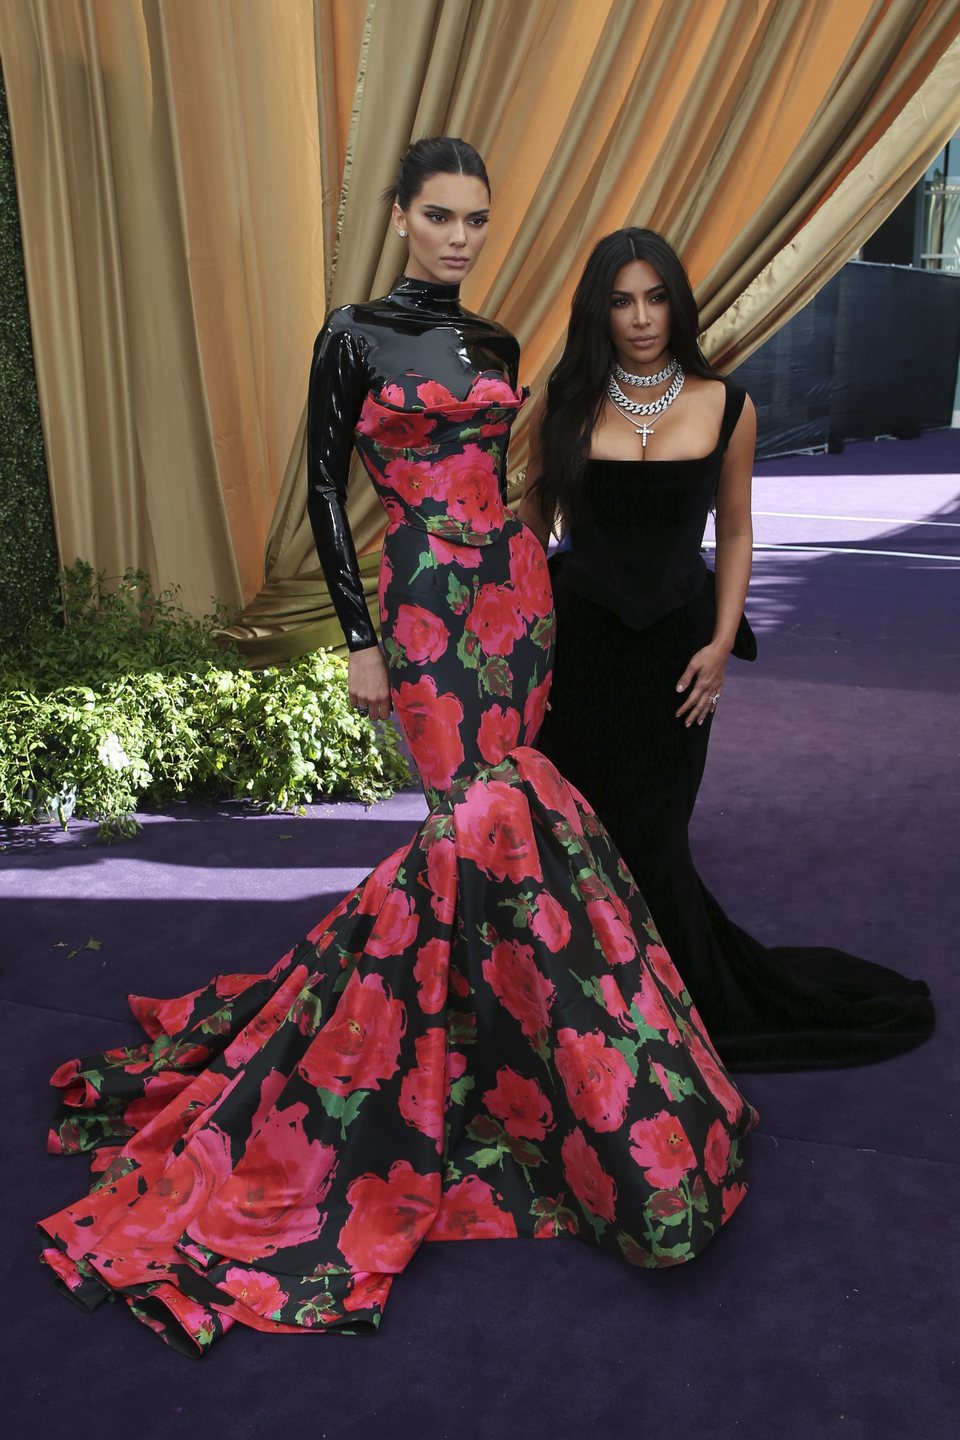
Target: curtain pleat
199,183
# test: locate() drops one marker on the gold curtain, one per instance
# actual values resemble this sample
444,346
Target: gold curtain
198,184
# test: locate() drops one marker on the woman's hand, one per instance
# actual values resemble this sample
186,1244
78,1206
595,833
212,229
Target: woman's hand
703,678
369,683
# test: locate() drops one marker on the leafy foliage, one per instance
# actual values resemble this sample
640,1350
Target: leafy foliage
131,700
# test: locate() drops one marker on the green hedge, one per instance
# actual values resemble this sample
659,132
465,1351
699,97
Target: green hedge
132,701
28,550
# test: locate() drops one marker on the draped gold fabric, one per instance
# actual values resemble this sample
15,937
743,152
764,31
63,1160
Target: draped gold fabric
198,184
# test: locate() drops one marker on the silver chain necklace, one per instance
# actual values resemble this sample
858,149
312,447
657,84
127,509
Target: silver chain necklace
643,381
628,408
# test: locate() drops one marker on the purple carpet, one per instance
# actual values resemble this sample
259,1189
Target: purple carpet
829,1305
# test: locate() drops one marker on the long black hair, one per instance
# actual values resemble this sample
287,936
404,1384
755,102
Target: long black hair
434,155
578,384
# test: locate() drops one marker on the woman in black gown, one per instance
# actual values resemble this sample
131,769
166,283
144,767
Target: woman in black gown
485,1038
635,441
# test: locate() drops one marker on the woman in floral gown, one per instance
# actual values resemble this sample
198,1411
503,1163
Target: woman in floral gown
485,1038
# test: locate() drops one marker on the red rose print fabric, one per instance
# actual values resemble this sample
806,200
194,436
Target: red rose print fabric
485,1039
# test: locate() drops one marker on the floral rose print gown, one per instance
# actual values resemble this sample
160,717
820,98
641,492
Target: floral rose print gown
485,1038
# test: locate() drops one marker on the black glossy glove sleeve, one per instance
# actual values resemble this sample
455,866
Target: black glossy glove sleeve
338,384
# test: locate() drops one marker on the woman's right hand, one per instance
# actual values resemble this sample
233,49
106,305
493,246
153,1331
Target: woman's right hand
369,683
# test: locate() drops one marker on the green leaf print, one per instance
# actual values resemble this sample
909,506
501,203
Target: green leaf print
468,650
344,1108
496,678
425,561
461,1028
678,1085
219,1022
489,1155
523,910
543,632
590,988
597,1225
461,1088
634,1253
392,651
628,1049
458,596
645,1031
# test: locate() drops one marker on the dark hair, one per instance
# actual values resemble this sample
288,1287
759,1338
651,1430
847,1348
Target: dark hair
434,155
577,386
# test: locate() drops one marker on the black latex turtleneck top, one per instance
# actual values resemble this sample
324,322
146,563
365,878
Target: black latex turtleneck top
420,328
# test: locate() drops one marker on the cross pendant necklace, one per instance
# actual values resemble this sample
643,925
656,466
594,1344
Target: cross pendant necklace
643,431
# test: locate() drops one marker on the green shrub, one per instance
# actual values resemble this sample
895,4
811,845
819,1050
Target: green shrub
131,700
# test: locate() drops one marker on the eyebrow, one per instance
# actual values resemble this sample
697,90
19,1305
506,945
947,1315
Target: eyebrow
443,210
628,294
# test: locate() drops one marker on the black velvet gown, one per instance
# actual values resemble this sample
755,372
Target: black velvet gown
634,601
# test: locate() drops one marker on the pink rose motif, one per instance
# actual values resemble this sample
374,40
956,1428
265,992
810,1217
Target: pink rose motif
441,879
716,1154
395,429
159,1090
495,831
228,986
595,1076
522,1106
411,480
430,973
499,731
431,724
384,579
445,552
395,927
368,1292
388,1218
730,1199
376,887
468,1212
588,1180
715,1077
653,1008
615,1004
535,709
493,390
551,924
423,1089
661,1148
436,396
270,1199
529,576
512,974
421,635
360,1044
659,961
617,940
260,1292
468,483
496,620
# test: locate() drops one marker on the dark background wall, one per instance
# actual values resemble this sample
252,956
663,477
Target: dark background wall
874,353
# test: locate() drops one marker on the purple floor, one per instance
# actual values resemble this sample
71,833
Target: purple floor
829,1306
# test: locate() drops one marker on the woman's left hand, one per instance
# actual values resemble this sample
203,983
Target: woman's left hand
703,678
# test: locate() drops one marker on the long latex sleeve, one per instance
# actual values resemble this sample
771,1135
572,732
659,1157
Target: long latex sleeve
338,384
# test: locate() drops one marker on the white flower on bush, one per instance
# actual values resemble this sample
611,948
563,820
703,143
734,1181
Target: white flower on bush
112,754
